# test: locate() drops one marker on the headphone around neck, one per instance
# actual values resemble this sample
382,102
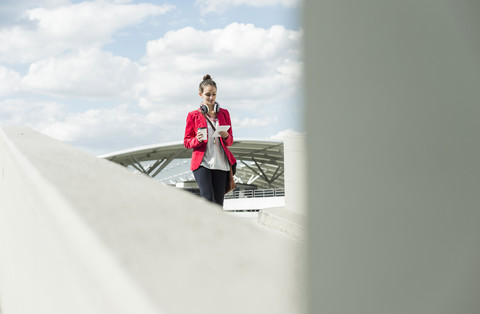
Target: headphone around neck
204,108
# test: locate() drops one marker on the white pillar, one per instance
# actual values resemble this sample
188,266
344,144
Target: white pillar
290,219
393,111
295,173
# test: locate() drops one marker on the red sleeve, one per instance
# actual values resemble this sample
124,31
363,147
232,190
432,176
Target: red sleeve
229,140
190,139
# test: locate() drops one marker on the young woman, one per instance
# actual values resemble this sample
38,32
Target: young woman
211,158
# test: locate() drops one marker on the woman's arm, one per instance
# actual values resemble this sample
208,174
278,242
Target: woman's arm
228,141
190,139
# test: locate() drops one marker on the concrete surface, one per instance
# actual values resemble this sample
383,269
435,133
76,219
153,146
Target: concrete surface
295,164
291,218
253,203
393,111
84,235
284,220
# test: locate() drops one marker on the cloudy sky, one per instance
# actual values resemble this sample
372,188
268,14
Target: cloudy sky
107,75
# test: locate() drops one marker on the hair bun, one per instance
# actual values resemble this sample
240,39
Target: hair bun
207,80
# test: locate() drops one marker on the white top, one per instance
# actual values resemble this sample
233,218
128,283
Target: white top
214,157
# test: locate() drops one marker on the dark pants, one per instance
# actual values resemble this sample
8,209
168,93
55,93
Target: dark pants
212,183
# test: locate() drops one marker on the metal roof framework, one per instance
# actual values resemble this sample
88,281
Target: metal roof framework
260,163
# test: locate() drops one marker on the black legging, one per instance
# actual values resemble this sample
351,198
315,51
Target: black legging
212,183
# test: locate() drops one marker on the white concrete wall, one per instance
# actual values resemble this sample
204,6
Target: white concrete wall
393,111
83,235
295,177
253,203
290,217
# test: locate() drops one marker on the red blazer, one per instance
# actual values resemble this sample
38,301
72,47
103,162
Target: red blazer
196,120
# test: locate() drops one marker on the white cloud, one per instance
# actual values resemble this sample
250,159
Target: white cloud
220,6
106,130
9,81
96,130
283,134
87,73
18,111
254,122
59,29
257,71
251,64
11,11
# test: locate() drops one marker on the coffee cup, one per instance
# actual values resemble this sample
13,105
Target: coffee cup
203,131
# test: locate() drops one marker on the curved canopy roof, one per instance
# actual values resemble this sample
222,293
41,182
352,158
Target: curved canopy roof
259,162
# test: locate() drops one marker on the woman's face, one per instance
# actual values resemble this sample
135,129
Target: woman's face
209,95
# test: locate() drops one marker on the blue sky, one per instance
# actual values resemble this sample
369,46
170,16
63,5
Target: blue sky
108,75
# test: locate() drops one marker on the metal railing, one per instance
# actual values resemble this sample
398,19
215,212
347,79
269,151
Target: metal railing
254,193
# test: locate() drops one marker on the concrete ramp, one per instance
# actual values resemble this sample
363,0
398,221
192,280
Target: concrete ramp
80,234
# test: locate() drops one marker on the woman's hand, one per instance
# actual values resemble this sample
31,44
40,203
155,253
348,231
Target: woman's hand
200,137
223,134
